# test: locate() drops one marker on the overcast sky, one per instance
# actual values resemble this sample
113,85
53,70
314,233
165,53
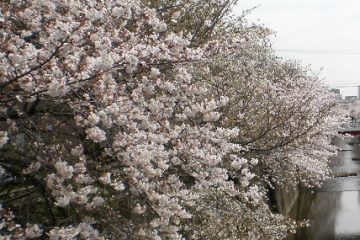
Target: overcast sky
323,33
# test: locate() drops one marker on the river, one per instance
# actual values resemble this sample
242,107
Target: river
334,209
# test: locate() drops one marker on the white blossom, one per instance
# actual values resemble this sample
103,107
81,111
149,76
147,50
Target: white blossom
63,201
33,231
64,170
138,209
106,178
3,138
57,89
96,134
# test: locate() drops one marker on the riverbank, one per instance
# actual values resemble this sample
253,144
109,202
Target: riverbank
334,209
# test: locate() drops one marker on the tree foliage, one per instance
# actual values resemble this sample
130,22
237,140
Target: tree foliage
129,119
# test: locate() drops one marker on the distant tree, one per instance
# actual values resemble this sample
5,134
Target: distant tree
354,110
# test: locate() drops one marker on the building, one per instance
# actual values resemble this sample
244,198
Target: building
337,93
348,101
351,98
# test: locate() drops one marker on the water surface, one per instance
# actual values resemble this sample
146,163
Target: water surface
334,209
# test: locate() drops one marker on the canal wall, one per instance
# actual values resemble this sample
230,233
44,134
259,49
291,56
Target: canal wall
286,200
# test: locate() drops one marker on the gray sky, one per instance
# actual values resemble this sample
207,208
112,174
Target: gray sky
323,33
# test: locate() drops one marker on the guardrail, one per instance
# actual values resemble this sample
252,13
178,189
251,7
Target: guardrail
351,127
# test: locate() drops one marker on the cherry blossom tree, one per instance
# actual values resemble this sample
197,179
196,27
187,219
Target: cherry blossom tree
129,119
354,110
285,115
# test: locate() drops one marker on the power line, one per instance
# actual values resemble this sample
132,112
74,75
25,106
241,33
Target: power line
321,51
339,86
345,85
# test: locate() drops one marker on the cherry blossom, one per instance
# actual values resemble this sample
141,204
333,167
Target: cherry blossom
129,119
